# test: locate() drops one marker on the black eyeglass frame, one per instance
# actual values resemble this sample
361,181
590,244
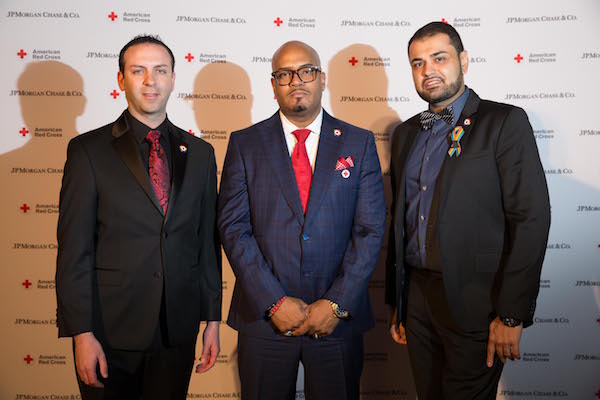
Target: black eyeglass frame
295,71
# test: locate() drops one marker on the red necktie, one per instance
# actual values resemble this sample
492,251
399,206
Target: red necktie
301,165
158,169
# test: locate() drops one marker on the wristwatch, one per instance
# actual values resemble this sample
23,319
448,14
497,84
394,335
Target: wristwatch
339,312
510,322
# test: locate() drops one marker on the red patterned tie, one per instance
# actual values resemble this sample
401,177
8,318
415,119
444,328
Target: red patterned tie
301,165
158,168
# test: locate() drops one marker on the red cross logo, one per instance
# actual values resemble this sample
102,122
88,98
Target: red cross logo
24,131
353,61
191,132
189,57
518,58
28,359
26,283
21,54
277,21
114,94
444,20
25,208
112,16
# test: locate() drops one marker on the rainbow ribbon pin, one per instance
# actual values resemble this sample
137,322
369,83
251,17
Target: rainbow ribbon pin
457,134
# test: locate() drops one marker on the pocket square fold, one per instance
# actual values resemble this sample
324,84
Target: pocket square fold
344,163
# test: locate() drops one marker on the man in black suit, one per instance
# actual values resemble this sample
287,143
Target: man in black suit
138,264
470,225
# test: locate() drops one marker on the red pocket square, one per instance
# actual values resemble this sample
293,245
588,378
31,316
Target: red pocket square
344,163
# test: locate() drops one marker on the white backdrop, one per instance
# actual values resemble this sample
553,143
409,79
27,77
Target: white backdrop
60,69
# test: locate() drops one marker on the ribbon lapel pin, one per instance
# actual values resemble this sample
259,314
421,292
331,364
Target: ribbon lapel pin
456,135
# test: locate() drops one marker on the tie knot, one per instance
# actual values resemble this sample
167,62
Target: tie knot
301,134
153,136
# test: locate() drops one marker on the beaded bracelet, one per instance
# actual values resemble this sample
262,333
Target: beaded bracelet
276,306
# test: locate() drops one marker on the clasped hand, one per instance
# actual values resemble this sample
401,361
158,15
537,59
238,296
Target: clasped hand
295,316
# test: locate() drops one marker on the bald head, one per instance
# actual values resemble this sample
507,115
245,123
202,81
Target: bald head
292,47
299,100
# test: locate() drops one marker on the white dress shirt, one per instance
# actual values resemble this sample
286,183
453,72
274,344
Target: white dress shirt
312,141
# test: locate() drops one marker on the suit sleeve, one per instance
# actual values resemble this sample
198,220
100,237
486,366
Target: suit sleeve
251,270
76,243
210,251
527,212
362,252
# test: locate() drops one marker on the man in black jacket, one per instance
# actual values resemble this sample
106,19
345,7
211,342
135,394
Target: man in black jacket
470,225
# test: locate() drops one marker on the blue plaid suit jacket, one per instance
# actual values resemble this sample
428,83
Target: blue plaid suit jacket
275,249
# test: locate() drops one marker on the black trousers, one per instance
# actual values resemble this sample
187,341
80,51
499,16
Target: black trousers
160,373
269,367
447,362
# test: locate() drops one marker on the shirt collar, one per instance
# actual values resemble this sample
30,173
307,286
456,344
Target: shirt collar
289,127
140,130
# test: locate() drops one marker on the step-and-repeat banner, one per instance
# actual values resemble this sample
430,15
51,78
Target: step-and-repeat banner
60,80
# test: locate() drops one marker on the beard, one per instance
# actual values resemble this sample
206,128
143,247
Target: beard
299,108
447,92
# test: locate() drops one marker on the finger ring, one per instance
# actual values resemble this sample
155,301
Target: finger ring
316,336
288,333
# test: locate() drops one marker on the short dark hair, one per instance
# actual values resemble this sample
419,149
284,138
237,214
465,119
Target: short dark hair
141,39
434,28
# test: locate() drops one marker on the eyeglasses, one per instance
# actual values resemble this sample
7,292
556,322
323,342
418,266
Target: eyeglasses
307,74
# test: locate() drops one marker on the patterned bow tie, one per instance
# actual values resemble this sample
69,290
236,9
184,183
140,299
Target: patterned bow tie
428,118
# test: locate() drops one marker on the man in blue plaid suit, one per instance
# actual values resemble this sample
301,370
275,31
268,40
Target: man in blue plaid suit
302,247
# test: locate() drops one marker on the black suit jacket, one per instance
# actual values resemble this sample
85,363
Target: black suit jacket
117,251
489,219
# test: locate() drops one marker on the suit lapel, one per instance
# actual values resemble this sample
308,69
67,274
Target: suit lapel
179,157
327,154
127,149
445,176
277,154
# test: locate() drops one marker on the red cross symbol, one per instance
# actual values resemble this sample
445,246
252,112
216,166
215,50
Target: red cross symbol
189,57
518,58
26,283
28,359
277,21
353,61
25,208
24,131
444,20
114,94
191,132
112,16
21,54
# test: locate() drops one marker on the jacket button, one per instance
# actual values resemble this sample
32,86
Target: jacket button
305,236
157,275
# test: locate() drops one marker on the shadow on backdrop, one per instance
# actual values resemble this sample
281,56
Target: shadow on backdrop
222,103
386,369
50,119
228,106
